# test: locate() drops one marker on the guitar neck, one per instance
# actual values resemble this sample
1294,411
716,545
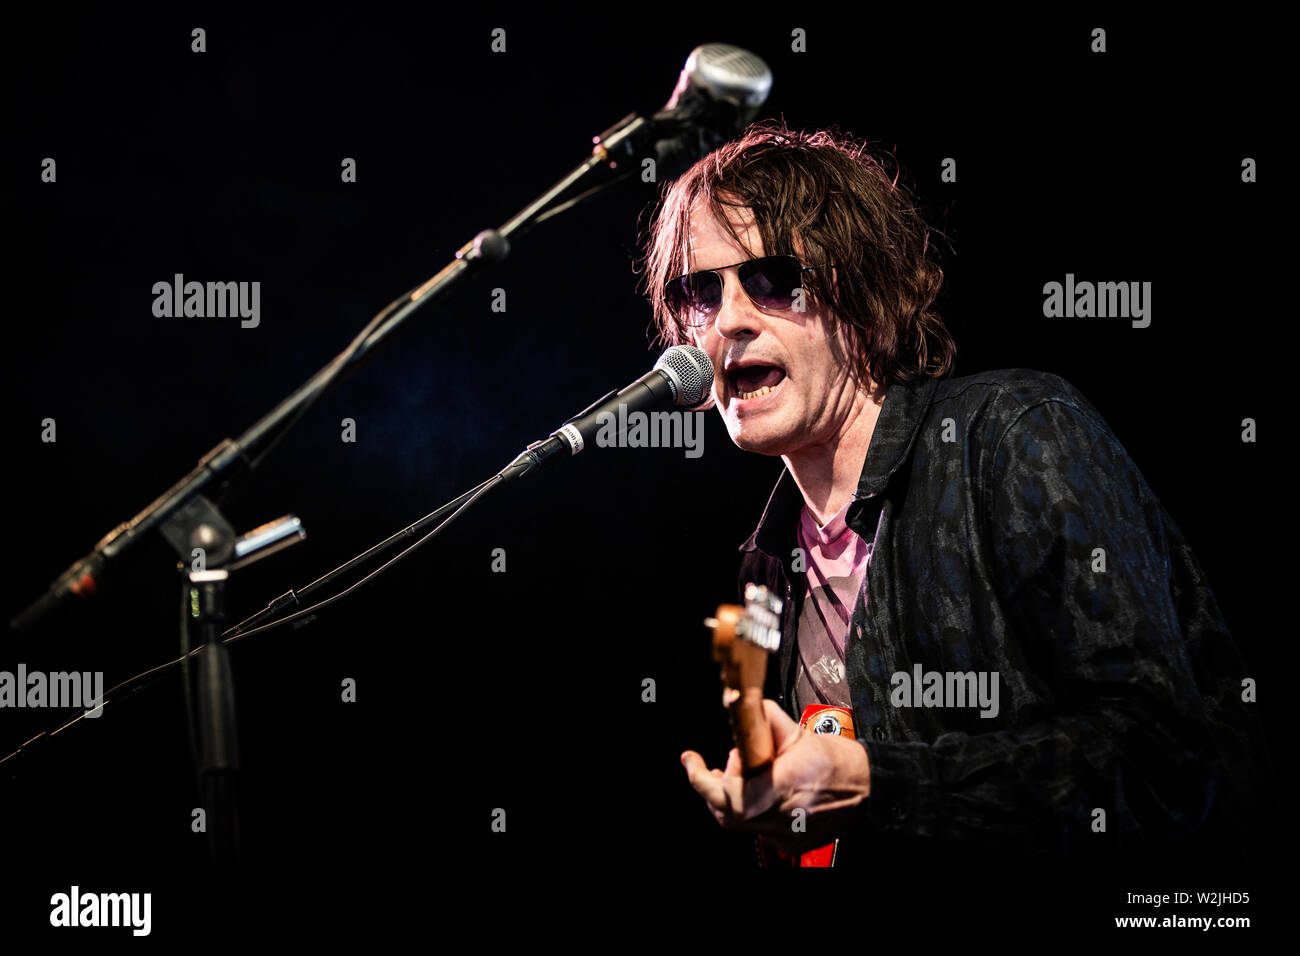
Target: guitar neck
743,637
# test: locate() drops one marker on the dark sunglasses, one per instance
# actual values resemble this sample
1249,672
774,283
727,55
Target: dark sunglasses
771,282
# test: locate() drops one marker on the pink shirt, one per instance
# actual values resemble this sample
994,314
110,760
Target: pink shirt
835,561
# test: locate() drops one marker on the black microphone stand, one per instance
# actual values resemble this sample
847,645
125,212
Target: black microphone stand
189,520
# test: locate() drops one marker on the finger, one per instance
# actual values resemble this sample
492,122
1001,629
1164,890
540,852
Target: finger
705,783
784,729
734,766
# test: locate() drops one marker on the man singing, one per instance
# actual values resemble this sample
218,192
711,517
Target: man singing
928,525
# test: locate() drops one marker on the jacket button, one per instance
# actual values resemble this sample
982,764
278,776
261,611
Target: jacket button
878,732
899,812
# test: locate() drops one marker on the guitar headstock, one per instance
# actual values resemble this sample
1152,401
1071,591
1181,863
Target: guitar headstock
742,639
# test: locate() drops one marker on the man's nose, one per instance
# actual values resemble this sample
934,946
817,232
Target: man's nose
736,317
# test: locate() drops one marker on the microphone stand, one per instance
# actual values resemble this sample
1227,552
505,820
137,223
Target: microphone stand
189,520
201,528
231,459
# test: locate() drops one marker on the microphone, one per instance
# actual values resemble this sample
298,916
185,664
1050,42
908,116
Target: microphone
682,376
718,93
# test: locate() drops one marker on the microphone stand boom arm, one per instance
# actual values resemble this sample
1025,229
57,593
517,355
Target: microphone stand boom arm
231,459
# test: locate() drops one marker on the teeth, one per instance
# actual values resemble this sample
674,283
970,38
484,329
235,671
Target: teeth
762,391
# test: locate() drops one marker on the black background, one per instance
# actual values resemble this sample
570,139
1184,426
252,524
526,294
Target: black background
522,690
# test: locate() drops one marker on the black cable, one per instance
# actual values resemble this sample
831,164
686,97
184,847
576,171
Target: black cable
156,673
482,489
324,579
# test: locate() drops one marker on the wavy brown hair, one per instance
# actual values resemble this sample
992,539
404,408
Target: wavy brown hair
836,196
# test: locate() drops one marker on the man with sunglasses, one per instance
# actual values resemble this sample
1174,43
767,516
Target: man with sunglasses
939,541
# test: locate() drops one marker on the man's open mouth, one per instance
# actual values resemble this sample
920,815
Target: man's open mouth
754,381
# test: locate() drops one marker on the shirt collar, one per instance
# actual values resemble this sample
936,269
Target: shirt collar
900,416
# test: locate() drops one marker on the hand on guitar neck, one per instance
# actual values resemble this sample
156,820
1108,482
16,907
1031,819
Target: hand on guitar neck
825,776
776,768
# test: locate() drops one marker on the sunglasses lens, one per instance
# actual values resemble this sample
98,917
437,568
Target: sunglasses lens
694,298
772,282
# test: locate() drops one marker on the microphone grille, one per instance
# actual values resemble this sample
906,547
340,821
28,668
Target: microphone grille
690,370
730,73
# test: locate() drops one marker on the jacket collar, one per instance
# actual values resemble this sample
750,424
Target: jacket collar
901,415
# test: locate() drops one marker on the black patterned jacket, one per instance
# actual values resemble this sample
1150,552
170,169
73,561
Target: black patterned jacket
1014,534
